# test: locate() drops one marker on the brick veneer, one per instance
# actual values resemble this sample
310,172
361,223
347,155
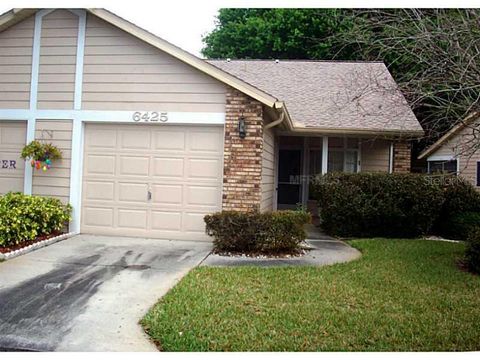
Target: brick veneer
401,157
242,164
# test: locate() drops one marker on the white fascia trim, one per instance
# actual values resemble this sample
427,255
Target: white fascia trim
200,118
76,169
441,158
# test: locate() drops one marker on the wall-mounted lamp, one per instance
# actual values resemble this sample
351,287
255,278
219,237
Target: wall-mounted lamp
242,128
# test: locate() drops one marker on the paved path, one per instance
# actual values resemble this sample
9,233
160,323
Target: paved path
88,293
325,251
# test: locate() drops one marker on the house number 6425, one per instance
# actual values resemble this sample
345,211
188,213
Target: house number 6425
150,116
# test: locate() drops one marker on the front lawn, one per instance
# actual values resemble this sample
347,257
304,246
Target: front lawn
402,295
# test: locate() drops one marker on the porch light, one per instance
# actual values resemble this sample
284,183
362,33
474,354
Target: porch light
242,128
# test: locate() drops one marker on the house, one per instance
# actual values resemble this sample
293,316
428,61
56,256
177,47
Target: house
457,151
153,138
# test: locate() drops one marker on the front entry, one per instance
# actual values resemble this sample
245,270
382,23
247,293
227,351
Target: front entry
289,179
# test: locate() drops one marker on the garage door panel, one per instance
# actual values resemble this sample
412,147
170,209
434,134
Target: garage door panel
167,194
205,141
193,222
168,167
101,138
96,190
204,169
166,220
169,140
134,165
184,179
98,216
202,196
136,192
100,164
134,139
132,219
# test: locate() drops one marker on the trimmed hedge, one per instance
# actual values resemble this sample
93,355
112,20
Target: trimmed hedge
377,204
254,232
460,210
458,226
25,217
472,252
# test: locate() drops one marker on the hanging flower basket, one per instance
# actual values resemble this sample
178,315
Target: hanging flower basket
41,155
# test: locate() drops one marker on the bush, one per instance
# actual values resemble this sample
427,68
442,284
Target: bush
377,204
472,251
461,201
24,217
458,226
254,232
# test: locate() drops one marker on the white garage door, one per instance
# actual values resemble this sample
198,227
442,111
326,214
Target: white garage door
12,167
151,181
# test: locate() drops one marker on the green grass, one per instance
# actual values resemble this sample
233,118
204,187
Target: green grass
402,295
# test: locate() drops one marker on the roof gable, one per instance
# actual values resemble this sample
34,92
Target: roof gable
16,15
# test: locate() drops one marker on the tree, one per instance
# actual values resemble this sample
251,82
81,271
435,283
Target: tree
433,54
274,33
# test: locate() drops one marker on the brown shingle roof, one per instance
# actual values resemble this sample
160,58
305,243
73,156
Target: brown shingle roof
330,94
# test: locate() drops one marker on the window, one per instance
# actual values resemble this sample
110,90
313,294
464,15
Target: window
343,155
442,166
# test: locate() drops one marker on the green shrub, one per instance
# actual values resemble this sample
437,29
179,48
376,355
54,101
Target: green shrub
472,251
255,232
377,204
25,217
461,201
458,226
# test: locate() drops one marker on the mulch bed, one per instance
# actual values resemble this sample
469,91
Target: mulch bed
7,249
262,255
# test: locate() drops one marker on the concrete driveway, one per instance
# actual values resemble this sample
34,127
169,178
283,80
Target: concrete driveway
88,293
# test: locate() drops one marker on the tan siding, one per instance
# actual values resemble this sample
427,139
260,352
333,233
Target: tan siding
57,60
123,73
375,155
16,46
56,181
268,180
12,140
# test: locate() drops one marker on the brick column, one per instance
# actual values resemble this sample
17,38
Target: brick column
401,157
242,164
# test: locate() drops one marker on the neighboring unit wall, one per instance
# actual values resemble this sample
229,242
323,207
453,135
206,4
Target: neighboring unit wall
12,167
401,157
122,72
16,65
56,79
55,181
242,164
268,179
375,155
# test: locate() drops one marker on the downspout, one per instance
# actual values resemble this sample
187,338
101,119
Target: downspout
276,122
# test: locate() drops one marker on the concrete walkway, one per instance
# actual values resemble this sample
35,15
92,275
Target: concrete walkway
88,293
325,250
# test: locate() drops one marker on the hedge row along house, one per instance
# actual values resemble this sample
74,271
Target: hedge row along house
153,138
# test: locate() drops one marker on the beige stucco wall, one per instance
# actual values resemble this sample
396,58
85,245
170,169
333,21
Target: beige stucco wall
55,181
268,168
56,78
123,73
375,155
16,44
